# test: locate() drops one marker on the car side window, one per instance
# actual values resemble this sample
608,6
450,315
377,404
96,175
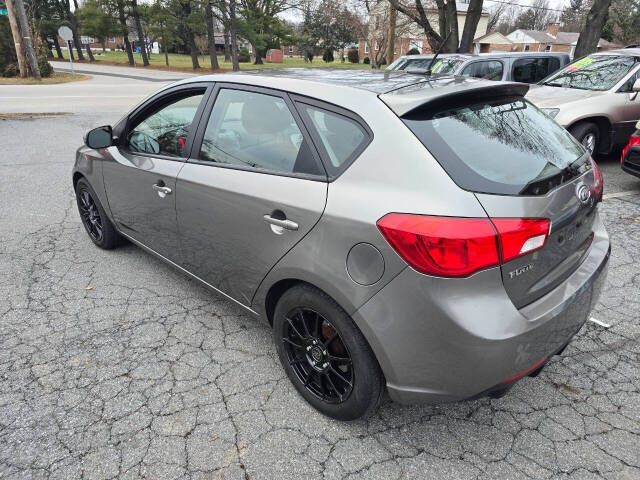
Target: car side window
341,137
491,70
165,130
532,70
256,130
627,87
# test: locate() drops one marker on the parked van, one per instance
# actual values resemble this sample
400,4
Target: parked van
525,67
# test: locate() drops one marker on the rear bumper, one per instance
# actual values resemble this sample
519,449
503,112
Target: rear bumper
631,161
440,340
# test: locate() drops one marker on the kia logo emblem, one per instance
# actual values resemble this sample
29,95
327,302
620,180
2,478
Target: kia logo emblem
583,193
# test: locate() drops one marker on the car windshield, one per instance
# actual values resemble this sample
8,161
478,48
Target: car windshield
595,72
502,146
446,65
395,64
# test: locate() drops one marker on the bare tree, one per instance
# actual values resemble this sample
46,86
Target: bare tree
32,61
234,35
213,55
17,38
495,15
474,12
590,36
447,22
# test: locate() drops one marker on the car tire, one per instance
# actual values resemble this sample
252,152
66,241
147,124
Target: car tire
588,134
304,315
94,219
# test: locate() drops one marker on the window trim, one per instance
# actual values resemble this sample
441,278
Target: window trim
202,127
159,98
484,60
332,172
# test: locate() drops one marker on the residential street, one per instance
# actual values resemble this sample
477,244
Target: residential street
115,365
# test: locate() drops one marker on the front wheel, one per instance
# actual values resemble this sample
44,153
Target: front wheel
98,226
588,135
325,356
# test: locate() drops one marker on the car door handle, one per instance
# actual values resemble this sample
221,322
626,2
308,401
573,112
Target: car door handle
162,190
286,224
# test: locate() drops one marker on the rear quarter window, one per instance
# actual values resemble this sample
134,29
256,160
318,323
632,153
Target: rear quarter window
501,146
532,70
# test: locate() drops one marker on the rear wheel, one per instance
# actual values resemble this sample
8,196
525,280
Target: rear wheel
98,226
325,355
588,135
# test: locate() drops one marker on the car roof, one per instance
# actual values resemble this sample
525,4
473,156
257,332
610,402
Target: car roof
400,91
632,52
376,81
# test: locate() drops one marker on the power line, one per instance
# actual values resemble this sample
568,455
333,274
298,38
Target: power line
527,6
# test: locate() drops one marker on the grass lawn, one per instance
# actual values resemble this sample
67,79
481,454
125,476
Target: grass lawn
181,61
56,77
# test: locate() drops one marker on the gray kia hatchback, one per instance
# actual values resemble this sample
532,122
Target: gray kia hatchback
437,237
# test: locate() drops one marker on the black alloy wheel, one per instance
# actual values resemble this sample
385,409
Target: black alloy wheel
317,355
90,215
325,355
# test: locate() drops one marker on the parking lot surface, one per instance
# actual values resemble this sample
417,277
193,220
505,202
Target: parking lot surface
115,365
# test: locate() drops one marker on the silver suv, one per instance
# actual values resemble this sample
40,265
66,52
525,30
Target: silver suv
595,98
525,67
437,237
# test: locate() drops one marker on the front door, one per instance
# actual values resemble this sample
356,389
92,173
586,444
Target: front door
250,192
140,175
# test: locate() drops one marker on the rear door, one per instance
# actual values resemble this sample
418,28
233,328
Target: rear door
521,165
253,188
140,175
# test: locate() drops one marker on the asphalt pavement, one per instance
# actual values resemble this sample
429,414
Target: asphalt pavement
115,365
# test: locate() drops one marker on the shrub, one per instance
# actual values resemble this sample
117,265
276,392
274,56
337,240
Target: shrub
327,56
366,61
11,70
413,51
352,55
309,56
45,67
243,55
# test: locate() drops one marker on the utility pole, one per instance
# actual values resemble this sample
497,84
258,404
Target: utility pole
26,36
391,44
15,31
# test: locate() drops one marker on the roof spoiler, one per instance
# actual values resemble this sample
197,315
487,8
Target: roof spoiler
440,92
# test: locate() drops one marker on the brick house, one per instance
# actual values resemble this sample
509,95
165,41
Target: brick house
408,34
492,42
551,40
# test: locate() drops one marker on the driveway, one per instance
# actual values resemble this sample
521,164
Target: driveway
115,365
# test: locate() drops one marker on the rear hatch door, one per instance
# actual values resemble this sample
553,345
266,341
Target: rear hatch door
519,163
531,276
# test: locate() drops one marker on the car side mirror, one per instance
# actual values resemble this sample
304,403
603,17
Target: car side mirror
101,137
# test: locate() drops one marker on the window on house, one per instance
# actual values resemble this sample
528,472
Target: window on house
366,47
416,44
526,48
548,49
377,46
290,48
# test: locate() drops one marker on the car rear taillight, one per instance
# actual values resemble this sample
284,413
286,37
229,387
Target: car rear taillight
633,142
458,247
598,182
519,236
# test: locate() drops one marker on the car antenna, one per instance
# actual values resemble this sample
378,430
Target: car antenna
444,42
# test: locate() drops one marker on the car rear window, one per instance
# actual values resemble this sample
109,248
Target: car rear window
502,146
